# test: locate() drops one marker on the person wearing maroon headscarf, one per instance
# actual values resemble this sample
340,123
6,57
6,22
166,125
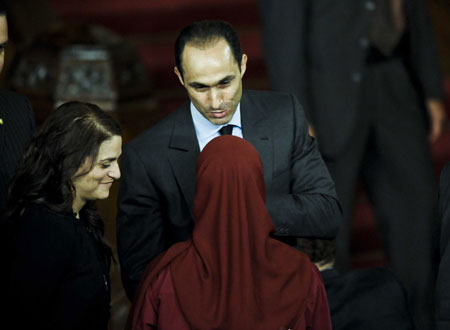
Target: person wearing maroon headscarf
230,274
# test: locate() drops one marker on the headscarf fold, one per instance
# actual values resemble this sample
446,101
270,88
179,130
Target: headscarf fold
231,274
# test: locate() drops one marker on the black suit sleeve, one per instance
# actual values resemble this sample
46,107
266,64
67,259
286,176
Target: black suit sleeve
140,232
16,129
310,208
443,283
423,51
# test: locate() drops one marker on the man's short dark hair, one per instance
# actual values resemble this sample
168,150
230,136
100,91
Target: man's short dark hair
320,251
205,33
2,8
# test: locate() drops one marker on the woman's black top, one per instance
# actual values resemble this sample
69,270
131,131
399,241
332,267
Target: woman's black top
58,277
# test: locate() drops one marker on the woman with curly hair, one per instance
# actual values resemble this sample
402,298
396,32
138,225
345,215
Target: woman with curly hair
58,275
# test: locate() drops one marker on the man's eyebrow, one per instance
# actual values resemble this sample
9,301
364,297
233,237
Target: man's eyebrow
227,79
195,84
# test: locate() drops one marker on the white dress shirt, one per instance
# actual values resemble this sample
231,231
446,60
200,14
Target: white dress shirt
206,131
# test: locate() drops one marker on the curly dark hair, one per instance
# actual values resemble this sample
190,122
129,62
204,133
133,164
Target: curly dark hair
71,135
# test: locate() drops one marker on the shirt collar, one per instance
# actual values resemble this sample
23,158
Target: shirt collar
204,128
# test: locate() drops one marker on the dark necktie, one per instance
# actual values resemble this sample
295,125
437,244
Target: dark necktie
226,130
387,25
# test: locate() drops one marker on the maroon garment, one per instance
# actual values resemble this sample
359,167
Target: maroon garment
231,274
161,310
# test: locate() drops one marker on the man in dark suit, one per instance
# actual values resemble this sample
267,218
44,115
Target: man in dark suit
364,299
16,121
16,128
443,282
158,181
368,75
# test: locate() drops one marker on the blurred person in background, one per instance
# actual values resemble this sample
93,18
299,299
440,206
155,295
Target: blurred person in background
364,299
442,282
16,121
368,75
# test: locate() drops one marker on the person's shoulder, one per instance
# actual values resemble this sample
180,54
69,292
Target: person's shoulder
157,135
10,96
41,216
265,93
272,101
15,105
4,92
163,282
377,281
380,274
261,95
445,173
43,231
444,188
277,105
375,273
369,298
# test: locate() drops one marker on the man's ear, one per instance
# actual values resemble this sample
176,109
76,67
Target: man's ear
243,64
178,73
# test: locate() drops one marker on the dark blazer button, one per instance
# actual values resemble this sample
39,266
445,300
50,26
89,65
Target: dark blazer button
356,77
370,5
364,42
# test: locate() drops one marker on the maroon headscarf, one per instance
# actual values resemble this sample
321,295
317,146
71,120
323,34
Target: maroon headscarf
231,274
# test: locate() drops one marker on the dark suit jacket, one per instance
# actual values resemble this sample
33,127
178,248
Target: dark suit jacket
369,299
443,279
17,128
317,49
158,180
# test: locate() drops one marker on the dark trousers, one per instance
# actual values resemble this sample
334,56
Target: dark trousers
389,151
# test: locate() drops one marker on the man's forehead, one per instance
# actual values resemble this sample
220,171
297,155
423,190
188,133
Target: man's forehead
3,24
216,55
206,49
3,30
205,44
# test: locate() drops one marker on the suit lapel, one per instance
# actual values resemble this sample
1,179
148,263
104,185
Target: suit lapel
184,149
4,115
257,130
3,130
183,153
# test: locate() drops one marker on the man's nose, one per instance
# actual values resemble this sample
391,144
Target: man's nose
216,98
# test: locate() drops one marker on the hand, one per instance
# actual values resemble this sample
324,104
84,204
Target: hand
437,114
